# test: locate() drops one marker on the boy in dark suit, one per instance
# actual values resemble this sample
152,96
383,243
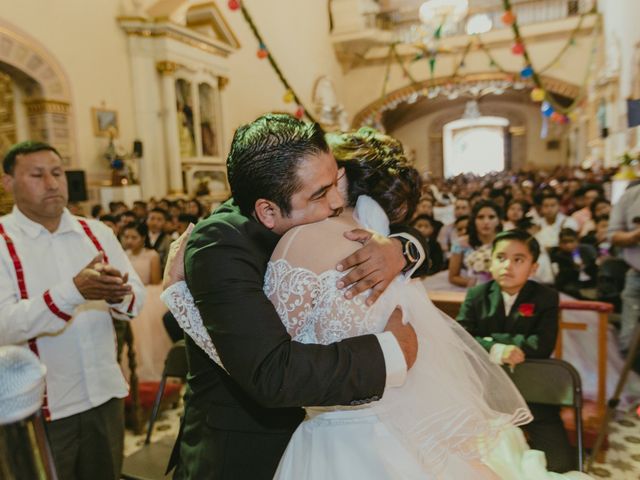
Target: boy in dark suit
575,266
515,318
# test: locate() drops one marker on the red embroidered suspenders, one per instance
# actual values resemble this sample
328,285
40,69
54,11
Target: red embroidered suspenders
24,295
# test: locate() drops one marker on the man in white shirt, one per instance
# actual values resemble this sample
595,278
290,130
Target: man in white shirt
551,221
62,279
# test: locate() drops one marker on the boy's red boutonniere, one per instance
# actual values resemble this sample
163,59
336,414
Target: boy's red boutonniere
526,309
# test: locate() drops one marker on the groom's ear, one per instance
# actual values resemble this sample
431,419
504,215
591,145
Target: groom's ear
266,213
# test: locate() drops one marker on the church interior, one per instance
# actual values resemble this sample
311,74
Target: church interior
514,103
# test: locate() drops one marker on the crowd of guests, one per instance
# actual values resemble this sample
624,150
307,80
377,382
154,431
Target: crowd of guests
568,216
150,226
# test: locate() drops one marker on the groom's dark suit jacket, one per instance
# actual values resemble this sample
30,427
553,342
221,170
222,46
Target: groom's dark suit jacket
532,323
237,424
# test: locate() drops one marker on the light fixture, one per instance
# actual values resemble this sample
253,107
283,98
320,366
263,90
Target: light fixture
471,110
438,10
479,23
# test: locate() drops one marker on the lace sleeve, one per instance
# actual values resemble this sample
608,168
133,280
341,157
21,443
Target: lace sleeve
180,302
301,282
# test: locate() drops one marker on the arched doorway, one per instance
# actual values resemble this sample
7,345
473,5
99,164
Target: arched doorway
35,100
475,145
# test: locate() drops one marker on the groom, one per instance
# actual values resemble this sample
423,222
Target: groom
237,425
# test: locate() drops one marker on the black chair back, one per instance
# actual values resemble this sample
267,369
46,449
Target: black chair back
175,365
552,382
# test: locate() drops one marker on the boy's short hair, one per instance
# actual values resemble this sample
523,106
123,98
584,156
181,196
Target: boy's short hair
162,212
519,236
461,218
187,218
109,218
422,216
568,233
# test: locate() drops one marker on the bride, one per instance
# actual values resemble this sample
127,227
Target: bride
457,414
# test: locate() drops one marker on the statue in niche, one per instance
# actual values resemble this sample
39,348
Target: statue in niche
207,120
186,135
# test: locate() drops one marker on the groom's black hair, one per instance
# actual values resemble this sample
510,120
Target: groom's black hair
264,159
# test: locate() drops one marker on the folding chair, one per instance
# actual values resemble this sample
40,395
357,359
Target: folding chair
150,462
552,382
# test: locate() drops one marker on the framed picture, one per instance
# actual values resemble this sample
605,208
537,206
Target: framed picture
105,122
207,180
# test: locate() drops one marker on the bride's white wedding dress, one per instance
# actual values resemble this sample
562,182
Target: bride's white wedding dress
455,417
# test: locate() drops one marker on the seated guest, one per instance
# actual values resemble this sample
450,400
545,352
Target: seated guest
425,225
447,235
575,266
551,221
473,252
97,211
598,237
460,226
599,207
515,318
184,219
589,194
516,211
195,208
111,222
544,272
125,218
157,238
150,342
146,261
140,209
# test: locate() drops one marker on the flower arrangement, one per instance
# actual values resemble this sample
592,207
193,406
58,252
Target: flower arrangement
628,163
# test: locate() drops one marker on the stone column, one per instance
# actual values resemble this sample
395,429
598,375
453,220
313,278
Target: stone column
170,122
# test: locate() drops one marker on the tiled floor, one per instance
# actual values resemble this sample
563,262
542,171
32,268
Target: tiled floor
622,458
623,455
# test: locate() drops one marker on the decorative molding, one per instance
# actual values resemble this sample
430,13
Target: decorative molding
553,85
208,14
27,55
166,67
179,33
37,106
222,83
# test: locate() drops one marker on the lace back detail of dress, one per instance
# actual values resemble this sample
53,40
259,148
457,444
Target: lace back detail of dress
313,309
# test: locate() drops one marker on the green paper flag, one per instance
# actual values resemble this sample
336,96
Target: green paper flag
438,33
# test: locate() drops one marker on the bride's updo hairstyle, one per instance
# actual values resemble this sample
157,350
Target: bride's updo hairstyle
375,165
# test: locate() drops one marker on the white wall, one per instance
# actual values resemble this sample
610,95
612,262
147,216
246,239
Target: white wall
86,40
89,45
297,34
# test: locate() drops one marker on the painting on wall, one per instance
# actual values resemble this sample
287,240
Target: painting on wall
105,122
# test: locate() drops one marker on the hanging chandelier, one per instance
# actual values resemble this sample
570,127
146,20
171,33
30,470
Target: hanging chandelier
443,11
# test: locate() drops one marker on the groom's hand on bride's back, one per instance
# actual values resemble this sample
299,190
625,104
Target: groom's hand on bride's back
374,266
405,335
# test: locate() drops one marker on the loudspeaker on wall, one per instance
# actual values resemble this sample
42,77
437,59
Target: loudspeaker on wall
77,185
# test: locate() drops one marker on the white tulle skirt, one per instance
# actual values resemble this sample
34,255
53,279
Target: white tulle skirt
355,444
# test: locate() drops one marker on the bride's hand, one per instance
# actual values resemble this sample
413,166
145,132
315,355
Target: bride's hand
374,266
174,268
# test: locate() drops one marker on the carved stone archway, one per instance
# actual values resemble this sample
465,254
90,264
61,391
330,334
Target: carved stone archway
561,89
47,96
